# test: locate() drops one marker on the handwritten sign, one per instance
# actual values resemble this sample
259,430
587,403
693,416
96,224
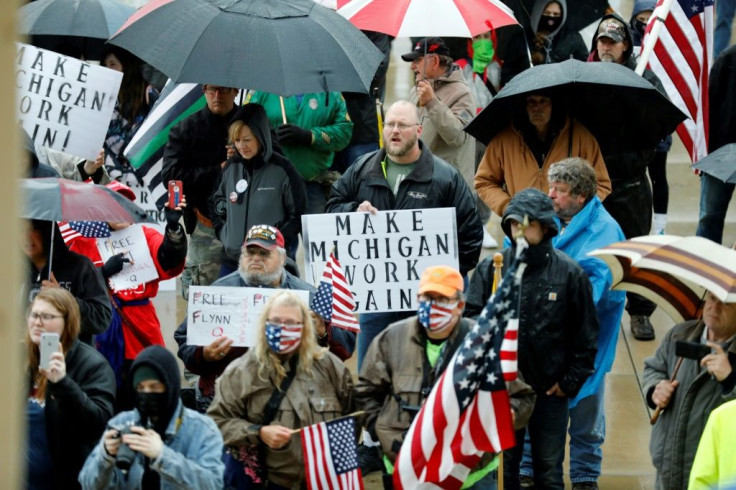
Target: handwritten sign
64,103
233,312
382,255
132,242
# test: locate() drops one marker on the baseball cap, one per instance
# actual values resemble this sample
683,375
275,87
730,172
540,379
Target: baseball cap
264,236
441,279
435,45
122,189
613,29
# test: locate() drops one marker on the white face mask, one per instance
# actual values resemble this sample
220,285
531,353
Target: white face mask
436,316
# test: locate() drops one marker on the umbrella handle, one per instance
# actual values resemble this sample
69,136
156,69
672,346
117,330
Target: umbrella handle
51,251
283,109
659,410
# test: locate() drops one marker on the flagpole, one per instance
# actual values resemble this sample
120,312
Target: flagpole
660,16
354,414
497,266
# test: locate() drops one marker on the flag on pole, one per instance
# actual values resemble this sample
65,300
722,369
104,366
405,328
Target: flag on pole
682,59
468,411
87,229
145,152
330,455
333,300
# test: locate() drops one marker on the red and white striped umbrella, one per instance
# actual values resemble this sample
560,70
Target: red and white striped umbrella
672,271
421,18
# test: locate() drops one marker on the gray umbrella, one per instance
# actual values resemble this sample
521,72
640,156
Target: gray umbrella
85,18
720,164
284,47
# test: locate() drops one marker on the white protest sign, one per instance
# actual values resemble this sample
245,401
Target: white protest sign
132,242
64,103
215,311
383,254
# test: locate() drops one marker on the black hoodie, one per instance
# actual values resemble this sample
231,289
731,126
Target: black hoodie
163,362
76,274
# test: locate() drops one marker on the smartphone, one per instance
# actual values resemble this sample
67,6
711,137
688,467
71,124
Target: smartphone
175,191
691,350
49,345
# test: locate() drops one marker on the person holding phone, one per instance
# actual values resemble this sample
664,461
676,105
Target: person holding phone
134,324
70,400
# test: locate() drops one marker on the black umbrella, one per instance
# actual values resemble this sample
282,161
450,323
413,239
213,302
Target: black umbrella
86,18
720,164
581,13
284,47
622,110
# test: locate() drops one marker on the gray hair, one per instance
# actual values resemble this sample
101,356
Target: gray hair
577,173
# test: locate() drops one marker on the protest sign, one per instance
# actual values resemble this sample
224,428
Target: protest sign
132,242
62,102
215,311
383,254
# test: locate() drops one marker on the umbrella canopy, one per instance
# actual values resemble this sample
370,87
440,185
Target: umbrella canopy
721,164
580,13
286,47
406,18
672,271
622,110
86,18
67,200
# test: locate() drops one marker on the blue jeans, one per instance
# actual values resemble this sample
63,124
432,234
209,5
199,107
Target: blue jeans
371,324
546,429
724,21
714,198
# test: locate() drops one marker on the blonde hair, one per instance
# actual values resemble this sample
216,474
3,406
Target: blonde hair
63,301
308,349
234,130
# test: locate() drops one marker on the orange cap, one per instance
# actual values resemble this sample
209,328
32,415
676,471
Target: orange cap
441,279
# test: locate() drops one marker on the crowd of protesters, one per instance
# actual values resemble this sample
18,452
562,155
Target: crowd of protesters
106,410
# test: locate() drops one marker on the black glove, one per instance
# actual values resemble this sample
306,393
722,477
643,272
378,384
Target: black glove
172,219
114,265
289,134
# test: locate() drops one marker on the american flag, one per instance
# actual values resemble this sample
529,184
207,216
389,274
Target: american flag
333,301
682,60
468,411
330,457
284,339
88,229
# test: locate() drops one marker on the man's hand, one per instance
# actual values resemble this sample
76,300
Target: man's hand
50,283
425,92
114,265
111,438
92,166
275,436
663,392
217,349
231,152
144,441
366,206
716,363
556,391
290,134
174,215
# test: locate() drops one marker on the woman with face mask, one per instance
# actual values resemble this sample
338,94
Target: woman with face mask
69,400
160,444
287,381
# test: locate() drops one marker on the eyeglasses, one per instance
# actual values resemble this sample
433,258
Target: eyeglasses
210,90
401,126
253,251
281,324
43,317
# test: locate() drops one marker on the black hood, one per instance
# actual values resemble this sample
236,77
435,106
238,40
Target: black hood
60,249
627,29
163,362
254,116
532,203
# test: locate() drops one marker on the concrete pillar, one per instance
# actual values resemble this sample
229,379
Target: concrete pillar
12,398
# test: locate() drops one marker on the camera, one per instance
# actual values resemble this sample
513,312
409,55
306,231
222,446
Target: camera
125,456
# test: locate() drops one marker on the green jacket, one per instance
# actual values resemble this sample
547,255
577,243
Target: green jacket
715,462
330,125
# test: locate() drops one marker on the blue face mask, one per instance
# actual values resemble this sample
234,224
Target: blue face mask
283,338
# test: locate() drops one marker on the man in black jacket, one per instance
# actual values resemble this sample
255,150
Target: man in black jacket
405,175
630,201
558,331
195,153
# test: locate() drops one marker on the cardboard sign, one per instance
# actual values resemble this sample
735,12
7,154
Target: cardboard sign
233,312
132,242
64,103
382,255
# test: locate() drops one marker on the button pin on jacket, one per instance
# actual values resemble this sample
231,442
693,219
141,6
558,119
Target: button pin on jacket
552,297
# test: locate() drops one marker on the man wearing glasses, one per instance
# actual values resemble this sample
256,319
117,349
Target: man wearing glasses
194,154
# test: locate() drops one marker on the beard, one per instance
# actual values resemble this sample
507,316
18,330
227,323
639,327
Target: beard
568,212
399,150
260,278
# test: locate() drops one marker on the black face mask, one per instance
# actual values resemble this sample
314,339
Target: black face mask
639,26
548,23
151,404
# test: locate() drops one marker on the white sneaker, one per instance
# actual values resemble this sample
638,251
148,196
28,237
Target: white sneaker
488,240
